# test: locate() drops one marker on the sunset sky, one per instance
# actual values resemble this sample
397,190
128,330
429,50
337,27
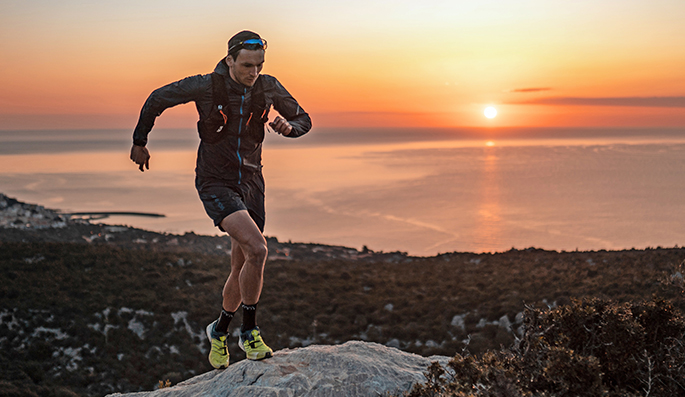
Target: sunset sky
91,64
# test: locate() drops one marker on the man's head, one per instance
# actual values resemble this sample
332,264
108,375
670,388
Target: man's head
245,57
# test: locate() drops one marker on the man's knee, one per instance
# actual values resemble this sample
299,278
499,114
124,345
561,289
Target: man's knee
258,250
262,250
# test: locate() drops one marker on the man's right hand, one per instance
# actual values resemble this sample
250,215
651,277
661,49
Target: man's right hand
140,156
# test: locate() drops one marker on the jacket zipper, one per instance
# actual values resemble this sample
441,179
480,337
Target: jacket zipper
240,130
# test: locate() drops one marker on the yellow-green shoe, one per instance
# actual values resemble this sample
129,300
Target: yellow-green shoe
218,353
252,344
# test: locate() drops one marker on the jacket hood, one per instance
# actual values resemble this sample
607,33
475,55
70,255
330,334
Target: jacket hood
221,67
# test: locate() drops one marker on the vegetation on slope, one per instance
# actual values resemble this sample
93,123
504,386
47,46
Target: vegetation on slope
95,318
590,348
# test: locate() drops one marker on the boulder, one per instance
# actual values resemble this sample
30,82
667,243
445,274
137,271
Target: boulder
351,369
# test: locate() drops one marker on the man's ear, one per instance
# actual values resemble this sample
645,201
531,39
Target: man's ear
229,61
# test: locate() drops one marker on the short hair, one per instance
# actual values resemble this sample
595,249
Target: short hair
234,48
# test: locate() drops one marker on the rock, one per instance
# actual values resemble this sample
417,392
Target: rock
505,323
351,369
458,321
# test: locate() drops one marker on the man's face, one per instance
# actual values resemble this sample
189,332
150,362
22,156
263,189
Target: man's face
246,67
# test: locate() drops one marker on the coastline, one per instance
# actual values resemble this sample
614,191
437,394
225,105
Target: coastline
25,222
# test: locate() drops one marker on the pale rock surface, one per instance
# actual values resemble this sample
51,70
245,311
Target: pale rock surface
351,369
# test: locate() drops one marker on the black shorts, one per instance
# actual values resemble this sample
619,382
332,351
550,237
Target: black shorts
221,199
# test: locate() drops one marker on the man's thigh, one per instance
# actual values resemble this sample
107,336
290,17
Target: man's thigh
243,229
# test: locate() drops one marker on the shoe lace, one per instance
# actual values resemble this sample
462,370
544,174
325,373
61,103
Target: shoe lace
255,341
219,345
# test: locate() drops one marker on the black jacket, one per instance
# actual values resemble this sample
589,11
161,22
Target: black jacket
237,152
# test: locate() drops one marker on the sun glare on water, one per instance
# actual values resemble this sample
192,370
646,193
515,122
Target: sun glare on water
490,112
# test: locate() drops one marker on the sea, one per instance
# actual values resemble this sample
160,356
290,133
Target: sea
419,191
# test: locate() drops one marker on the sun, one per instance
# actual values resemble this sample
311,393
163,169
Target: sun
490,112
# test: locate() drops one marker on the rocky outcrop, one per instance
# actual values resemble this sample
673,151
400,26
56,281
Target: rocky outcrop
351,369
18,215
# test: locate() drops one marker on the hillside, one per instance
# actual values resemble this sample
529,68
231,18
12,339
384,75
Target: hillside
92,309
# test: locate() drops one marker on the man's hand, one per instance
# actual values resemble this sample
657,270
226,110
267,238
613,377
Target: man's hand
140,156
281,126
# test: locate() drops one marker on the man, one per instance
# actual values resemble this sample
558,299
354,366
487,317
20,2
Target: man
233,104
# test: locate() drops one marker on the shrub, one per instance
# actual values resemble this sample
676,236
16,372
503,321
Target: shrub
589,348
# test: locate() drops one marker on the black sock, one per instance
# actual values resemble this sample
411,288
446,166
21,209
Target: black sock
224,320
249,314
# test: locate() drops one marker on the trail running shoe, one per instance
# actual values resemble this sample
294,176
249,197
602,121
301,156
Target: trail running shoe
218,353
252,344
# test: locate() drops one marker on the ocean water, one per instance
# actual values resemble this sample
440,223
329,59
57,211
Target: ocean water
419,191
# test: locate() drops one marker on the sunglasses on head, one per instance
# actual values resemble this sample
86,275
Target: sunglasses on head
250,44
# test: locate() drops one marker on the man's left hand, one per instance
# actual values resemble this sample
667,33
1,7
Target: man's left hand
281,126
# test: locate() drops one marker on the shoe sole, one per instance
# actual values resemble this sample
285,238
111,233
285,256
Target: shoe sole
254,356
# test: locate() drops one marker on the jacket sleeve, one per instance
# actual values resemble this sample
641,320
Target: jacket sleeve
182,91
288,107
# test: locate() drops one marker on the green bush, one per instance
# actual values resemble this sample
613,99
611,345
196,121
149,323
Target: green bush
590,348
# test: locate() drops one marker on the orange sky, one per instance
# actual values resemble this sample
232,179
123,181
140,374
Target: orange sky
79,64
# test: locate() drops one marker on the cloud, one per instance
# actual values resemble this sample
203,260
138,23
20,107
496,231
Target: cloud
655,101
532,89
